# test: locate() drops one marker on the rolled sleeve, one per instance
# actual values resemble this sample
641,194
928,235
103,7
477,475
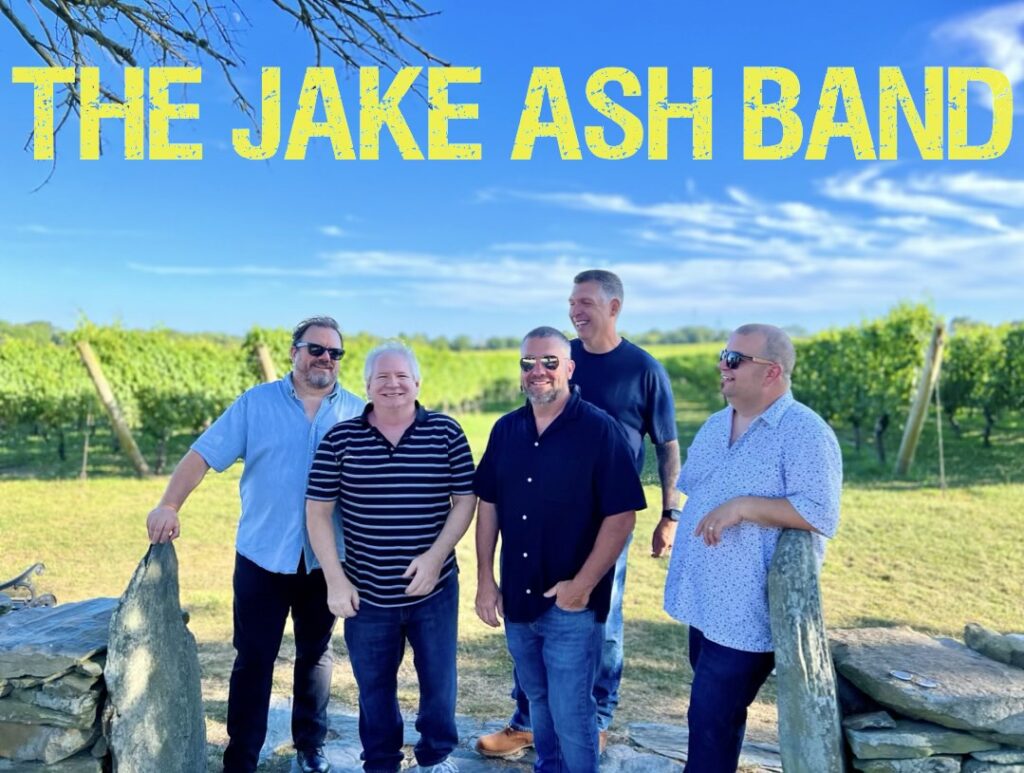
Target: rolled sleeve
617,484
814,478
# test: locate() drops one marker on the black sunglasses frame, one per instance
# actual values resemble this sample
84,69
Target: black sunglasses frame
734,359
529,362
316,350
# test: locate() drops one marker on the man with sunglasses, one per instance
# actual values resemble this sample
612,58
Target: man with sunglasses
633,388
557,481
274,429
762,464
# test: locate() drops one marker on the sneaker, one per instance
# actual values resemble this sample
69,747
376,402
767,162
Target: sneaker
602,741
508,742
312,760
447,765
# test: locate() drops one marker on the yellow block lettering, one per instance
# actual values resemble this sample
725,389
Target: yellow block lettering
756,112
319,82
375,113
132,111
42,80
632,127
546,82
442,111
270,131
840,81
1002,113
162,111
894,97
660,111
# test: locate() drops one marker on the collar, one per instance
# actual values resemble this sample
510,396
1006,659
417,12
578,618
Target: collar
421,414
570,410
772,415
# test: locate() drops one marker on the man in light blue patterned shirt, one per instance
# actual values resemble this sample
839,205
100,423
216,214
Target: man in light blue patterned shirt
762,464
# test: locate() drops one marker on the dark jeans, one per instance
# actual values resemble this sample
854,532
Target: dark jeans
376,639
609,672
725,683
262,602
556,657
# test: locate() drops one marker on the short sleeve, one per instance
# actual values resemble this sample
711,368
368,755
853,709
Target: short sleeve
324,481
617,485
660,407
460,461
224,442
813,467
485,481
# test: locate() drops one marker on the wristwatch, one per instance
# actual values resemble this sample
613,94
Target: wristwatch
672,513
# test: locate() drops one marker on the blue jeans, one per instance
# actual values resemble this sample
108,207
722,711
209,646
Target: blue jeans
556,657
376,639
262,602
609,674
725,683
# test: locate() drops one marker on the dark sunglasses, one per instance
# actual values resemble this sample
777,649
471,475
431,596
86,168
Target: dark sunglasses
733,359
316,350
549,361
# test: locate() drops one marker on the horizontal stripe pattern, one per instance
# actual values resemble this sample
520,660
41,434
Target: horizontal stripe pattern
394,500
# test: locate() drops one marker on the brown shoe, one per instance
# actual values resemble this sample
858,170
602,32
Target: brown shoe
602,741
508,742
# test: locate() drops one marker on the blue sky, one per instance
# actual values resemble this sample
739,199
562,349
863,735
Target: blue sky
490,247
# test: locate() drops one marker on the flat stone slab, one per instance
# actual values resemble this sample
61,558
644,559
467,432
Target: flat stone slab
80,763
152,674
875,719
671,741
971,692
977,766
1001,756
42,743
922,765
43,641
911,739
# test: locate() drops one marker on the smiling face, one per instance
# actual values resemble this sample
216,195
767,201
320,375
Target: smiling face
543,386
316,372
747,382
591,312
392,384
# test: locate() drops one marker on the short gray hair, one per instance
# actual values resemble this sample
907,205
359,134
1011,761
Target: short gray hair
323,321
778,347
544,331
390,347
610,283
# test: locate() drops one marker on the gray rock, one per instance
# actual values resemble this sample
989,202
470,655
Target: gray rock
810,738
923,765
42,641
152,674
1006,649
21,707
974,693
977,766
671,741
5,688
80,763
911,739
1004,756
876,719
27,743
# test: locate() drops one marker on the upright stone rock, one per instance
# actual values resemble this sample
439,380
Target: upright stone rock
810,738
152,675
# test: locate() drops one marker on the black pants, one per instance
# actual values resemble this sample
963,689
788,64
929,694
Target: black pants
262,602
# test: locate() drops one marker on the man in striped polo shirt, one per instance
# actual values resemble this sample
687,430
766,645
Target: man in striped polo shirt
403,477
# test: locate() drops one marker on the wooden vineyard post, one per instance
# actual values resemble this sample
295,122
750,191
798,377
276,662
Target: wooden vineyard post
124,434
266,363
919,406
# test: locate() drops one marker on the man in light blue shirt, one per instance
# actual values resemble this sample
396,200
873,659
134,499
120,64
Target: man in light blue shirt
274,429
763,464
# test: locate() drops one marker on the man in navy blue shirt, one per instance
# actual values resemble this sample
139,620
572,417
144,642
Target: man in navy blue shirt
558,482
630,385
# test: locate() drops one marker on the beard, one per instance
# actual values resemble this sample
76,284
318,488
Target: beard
542,397
319,379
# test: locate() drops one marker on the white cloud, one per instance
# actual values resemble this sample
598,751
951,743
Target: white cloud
333,231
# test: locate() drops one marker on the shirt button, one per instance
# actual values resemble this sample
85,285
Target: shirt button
528,591
535,444
525,555
529,480
524,516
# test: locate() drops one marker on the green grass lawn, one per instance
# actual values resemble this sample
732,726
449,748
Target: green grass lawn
906,553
